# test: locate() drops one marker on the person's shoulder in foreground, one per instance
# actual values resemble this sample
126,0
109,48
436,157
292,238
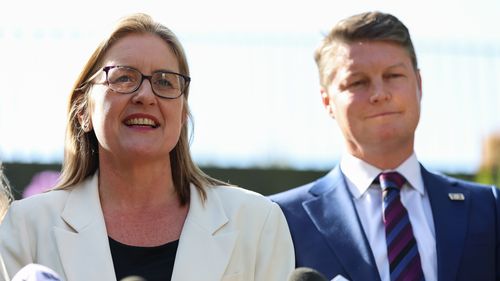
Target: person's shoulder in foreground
5,194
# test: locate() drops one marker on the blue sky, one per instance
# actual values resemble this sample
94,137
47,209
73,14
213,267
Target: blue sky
254,96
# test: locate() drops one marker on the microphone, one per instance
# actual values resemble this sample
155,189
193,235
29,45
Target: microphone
306,274
36,272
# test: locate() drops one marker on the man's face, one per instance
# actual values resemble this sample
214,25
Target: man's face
374,93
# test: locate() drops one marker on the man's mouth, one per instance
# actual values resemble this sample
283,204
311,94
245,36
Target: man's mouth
381,114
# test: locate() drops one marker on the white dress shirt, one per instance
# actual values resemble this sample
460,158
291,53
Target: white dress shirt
367,199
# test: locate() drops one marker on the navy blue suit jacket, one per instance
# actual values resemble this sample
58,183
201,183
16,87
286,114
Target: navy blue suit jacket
328,235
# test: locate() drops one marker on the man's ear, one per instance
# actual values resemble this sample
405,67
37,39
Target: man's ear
419,82
327,102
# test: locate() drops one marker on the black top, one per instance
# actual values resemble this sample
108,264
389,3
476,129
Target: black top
150,263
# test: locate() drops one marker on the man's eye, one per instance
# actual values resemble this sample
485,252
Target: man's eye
357,83
394,75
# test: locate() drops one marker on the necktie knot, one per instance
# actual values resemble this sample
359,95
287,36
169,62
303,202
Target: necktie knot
391,180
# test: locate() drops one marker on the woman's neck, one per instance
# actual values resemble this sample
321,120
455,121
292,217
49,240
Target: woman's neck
136,185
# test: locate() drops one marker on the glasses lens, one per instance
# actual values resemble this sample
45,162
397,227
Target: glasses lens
123,79
167,84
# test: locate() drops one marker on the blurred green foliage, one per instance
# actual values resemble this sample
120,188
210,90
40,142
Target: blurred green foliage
489,176
489,173
266,181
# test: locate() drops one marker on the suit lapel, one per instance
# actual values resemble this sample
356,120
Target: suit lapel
334,215
205,246
84,248
450,222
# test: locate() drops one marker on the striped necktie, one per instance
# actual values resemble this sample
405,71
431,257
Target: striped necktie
402,251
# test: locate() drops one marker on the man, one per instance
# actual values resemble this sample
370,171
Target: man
380,215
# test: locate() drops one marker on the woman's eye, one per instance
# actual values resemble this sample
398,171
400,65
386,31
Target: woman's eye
164,83
122,79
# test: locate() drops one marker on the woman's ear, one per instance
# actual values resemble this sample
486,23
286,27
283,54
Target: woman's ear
85,121
84,108
185,112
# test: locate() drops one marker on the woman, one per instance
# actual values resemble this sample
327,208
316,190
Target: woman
5,194
130,200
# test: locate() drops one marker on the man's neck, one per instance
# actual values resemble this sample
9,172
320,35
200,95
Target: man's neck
382,158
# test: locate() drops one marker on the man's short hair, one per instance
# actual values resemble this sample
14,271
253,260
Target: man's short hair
369,26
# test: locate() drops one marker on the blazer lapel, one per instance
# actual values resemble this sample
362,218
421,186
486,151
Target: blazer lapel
205,247
450,222
83,247
334,215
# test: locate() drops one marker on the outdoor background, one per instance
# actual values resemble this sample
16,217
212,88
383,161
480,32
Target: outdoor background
258,117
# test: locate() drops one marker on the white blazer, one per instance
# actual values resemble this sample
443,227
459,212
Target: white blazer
236,235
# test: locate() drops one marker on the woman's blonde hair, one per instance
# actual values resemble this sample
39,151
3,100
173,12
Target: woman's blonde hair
5,194
81,158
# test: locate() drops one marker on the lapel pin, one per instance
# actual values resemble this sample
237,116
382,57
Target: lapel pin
456,196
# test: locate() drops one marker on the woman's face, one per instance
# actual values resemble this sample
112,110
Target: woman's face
139,125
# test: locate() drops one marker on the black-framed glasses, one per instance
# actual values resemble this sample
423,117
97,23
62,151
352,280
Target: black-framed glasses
165,84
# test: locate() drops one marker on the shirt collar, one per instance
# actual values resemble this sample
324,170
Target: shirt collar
361,174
